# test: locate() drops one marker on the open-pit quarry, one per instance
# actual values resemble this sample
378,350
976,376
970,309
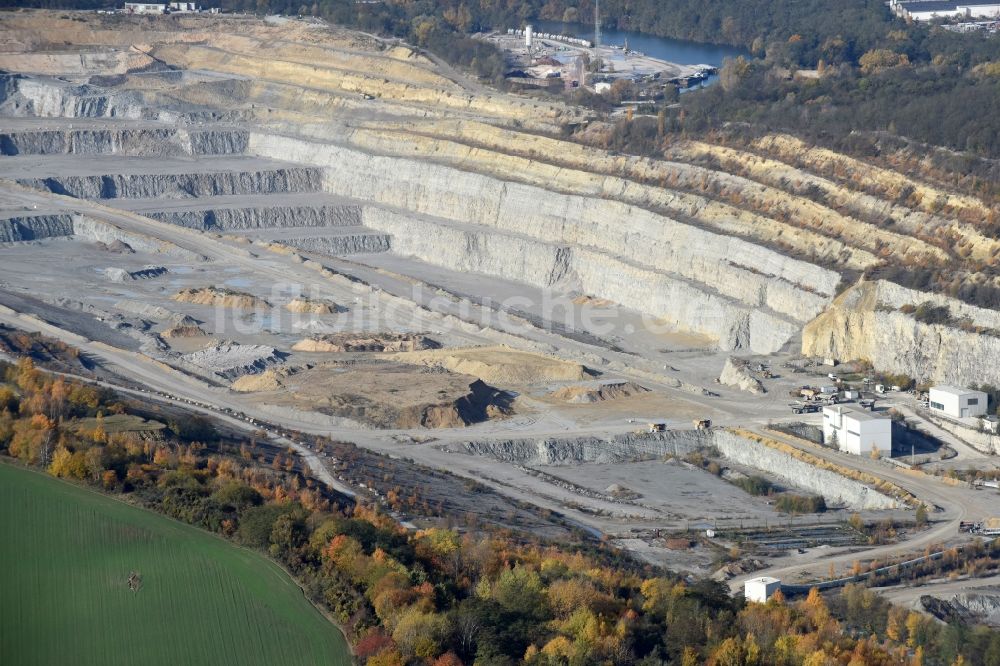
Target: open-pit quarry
328,232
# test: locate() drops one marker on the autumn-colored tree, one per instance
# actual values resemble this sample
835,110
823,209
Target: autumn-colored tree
374,642
519,589
729,653
559,647
420,634
878,60
388,657
916,629
567,596
8,401
658,595
448,659
895,627
857,522
109,479
33,439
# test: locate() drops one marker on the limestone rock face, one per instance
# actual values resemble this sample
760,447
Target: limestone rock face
341,244
865,323
735,374
179,186
121,141
744,295
832,486
231,360
49,98
231,219
116,274
111,236
34,227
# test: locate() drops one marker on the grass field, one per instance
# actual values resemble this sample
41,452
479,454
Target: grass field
65,557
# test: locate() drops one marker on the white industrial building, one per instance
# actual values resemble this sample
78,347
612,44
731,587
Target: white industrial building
145,8
855,431
928,10
761,589
957,403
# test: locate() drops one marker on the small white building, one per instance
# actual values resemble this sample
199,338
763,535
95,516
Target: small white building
761,589
957,402
183,7
856,431
145,8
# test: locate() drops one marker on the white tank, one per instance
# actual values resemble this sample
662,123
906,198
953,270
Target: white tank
527,36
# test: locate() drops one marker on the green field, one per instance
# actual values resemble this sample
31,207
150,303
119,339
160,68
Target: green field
65,558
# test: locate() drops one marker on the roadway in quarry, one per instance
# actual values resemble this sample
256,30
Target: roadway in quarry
331,234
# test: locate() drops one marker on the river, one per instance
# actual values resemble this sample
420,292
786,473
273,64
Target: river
678,51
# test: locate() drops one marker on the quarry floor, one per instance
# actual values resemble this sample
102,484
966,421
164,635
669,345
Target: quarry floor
55,286
539,341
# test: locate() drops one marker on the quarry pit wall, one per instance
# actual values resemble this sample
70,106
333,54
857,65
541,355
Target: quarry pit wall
836,489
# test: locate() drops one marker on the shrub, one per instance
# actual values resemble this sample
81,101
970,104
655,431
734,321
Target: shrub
800,504
754,485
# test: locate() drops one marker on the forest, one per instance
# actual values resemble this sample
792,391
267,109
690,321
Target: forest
441,595
878,74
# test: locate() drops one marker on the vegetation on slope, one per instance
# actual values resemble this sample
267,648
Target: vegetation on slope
440,595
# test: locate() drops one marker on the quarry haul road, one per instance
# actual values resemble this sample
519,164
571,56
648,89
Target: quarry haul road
192,241
163,378
956,505
160,377
425,314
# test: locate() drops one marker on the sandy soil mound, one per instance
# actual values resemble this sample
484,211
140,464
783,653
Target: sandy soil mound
221,297
231,360
379,342
382,394
184,331
589,394
116,246
499,365
312,306
271,379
